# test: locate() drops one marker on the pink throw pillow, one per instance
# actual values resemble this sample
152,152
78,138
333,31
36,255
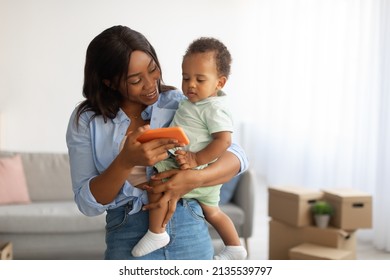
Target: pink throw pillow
13,186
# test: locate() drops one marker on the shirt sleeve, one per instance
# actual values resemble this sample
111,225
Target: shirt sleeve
222,121
239,152
82,167
218,117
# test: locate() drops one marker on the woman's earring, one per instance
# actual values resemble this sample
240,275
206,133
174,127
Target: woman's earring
107,83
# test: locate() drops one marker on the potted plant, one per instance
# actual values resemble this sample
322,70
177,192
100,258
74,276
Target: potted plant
322,211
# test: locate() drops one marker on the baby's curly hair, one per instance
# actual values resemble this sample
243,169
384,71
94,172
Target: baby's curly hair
208,44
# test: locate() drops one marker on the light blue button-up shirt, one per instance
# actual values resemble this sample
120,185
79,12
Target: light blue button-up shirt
94,144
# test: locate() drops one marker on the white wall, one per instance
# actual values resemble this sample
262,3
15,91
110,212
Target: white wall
43,44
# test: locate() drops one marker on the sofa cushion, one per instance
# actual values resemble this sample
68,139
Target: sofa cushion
47,217
228,189
13,186
47,175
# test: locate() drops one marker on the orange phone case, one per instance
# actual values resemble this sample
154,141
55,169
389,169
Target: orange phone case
165,132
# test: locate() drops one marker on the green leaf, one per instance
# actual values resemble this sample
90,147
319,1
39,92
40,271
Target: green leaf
322,207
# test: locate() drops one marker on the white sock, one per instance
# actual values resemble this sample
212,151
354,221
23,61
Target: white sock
149,243
232,253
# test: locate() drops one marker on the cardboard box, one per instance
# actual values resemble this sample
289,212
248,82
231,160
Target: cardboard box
283,237
292,204
352,208
6,252
308,251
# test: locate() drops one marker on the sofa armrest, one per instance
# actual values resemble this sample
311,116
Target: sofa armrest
244,198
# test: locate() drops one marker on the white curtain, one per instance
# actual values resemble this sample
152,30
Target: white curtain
382,185
320,115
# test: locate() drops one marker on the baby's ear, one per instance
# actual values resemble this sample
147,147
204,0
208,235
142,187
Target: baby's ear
221,82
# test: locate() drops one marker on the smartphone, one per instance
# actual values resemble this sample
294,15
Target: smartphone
174,132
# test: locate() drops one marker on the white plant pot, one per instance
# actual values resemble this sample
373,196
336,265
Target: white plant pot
322,221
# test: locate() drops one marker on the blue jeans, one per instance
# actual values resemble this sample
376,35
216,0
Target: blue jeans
190,239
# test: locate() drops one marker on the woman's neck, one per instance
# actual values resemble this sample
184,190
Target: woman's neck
133,110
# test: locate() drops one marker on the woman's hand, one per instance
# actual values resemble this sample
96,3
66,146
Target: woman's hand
181,182
135,153
173,184
132,154
146,186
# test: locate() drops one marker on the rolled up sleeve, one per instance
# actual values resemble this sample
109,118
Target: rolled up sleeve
82,166
239,152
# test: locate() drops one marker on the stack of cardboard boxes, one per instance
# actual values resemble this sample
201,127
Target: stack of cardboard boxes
293,235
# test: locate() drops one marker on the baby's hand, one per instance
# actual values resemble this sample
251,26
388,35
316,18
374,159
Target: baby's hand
186,160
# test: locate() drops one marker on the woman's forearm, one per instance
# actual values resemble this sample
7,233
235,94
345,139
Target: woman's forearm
114,177
183,181
221,171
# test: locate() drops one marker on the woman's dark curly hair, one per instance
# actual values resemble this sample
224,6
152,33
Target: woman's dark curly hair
107,58
208,44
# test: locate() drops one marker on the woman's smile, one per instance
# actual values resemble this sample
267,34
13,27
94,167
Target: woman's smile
151,95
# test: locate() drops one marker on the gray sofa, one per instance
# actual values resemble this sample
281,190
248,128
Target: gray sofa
51,226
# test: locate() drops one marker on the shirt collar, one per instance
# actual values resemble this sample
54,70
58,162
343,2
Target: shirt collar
121,116
220,93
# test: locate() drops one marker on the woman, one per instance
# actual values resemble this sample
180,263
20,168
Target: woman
124,97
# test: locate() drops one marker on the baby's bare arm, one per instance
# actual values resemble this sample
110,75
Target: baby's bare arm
221,141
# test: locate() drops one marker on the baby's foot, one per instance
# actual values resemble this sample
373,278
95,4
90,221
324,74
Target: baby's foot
232,253
149,243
